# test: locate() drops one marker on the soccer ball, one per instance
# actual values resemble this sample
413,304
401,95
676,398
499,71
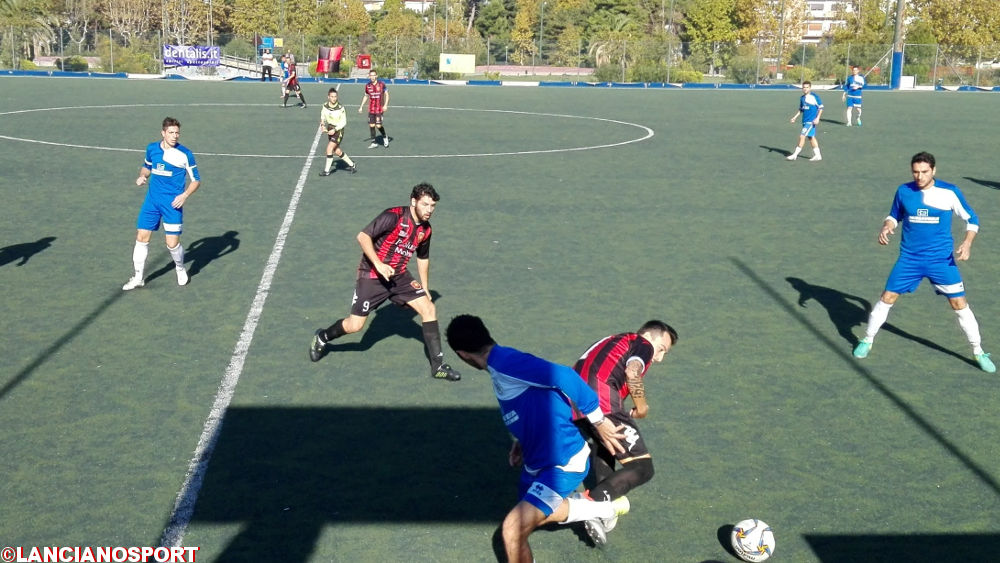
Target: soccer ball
752,540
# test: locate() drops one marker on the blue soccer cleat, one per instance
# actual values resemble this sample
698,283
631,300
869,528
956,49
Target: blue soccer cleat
985,363
862,349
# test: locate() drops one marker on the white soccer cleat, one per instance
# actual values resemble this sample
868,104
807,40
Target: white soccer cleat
385,141
816,158
133,282
621,506
791,157
373,145
182,276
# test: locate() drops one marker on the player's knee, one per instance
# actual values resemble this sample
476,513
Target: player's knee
642,470
353,324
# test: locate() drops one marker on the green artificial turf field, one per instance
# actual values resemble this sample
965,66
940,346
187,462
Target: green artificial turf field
566,215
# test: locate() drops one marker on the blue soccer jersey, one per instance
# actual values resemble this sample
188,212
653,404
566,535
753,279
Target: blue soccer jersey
169,169
926,218
534,396
853,86
809,105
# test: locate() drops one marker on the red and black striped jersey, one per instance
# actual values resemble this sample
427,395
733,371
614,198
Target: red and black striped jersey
396,237
602,366
374,91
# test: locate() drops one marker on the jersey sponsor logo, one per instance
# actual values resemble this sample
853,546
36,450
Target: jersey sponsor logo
403,251
924,217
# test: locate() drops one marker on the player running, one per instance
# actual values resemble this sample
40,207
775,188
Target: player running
333,120
534,397
377,97
168,166
614,368
853,86
387,244
810,108
927,250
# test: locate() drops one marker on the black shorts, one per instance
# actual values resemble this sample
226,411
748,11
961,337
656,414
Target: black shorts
635,446
335,136
374,118
293,86
370,293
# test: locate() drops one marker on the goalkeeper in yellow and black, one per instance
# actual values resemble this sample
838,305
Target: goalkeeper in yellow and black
333,120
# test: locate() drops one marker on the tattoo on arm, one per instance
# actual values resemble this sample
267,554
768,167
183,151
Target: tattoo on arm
634,378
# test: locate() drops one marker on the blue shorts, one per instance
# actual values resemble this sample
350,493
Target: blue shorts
546,489
808,130
853,102
154,211
907,274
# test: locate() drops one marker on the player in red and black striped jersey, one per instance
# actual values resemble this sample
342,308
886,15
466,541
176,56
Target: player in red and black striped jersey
377,98
614,367
292,84
387,244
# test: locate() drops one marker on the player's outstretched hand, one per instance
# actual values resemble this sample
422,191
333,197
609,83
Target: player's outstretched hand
610,435
883,235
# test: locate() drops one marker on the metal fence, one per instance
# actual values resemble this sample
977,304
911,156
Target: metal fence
622,60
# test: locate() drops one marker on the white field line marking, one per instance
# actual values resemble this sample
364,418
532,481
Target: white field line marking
180,517
648,133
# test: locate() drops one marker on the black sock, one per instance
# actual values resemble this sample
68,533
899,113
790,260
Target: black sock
630,476
303,98
333,332
381,131
285,101
373,132
432,339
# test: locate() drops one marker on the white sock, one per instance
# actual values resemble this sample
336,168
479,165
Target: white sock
970,326
139,253
880,312
848,113
177,253
816,152
581,510
796,151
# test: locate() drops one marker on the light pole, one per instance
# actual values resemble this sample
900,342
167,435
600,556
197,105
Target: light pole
541,30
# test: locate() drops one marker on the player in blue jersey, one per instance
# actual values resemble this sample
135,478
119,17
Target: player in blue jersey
927,250
810,108
534,396
173,176
852,94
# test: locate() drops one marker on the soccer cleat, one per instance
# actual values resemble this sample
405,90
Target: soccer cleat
862,349
182,276
621,506
985,363
859,122
353,169
133,282
385,141
596,532
317,348
816,158
373,145
444,371
848,123
324,172
791,157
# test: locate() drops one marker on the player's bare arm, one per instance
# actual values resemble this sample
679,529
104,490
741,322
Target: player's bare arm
385,105
182,197
423,270
818,115
364,100
794,117
964,250
368,248
143,176
888,229
636,390
610,435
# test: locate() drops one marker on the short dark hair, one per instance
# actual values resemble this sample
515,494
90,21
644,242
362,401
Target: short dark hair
170,122
467,333
424,189
332,90
804,82
659,327
923,156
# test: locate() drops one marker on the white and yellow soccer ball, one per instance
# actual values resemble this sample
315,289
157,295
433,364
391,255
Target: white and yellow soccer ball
752,540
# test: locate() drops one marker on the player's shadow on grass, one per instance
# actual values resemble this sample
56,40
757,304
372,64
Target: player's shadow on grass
387,321
782,152
285,474
23,251
847,311
987,183
912,548
202,252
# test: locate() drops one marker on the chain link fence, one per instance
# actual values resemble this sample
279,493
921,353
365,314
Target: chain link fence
623,60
